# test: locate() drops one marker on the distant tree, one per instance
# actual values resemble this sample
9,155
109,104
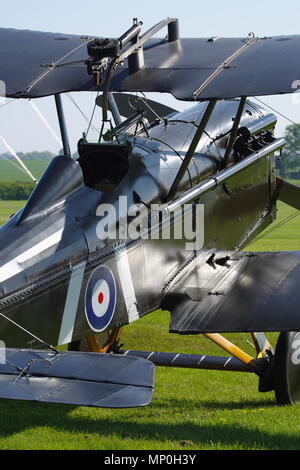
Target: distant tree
5,156
15,191
35,155
290,159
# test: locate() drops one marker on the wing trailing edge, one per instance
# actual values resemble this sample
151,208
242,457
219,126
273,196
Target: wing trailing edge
288,193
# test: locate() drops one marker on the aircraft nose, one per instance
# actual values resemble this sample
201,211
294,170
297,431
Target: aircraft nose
37,252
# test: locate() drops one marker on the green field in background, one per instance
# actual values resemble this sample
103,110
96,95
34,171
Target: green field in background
8,208
11,171
191,410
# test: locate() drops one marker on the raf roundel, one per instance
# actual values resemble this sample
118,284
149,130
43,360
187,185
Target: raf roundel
100,299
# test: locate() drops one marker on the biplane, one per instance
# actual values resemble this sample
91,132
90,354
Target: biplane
61,283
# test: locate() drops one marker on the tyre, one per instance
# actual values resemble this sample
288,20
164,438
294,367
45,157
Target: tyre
287,369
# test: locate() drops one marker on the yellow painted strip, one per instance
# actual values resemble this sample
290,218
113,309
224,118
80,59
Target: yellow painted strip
230,348
93,344
113,339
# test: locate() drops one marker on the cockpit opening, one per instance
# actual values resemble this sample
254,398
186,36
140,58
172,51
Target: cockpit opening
103,165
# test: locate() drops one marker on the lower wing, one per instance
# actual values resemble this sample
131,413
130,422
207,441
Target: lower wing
228,292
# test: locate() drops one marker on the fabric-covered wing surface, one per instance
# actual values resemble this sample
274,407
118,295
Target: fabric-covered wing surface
25,57
190,69
249,292
87,379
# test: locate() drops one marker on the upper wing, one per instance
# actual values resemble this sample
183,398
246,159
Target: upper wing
248,292
25,57
190,69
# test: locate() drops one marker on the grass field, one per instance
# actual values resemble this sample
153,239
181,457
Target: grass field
191,410
11,171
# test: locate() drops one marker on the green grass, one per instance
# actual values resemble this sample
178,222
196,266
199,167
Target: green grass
190,409
8,208
11,172
284,238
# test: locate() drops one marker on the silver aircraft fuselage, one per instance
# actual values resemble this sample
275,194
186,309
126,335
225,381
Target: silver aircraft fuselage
52,260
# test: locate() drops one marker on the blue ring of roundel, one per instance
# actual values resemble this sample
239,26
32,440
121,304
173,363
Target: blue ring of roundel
100,324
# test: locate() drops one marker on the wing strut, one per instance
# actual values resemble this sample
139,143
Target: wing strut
234,131
191,151
114,109
62,125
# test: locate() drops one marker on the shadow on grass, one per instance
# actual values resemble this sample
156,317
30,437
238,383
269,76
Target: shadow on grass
243,405
18,417
238,405
201,406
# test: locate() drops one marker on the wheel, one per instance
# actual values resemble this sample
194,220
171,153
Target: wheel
287,369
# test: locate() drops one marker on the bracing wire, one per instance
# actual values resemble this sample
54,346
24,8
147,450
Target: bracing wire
10,149
92,116
45,122
81,112
295,214
16,166
29,333
7,102
144,100
22,167
276,111
276,227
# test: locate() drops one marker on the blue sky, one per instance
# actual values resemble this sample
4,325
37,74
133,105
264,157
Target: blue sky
18,122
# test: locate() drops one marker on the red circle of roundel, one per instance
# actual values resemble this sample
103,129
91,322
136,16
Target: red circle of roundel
100,299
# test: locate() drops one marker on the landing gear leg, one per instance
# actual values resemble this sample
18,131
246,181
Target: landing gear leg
103,343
